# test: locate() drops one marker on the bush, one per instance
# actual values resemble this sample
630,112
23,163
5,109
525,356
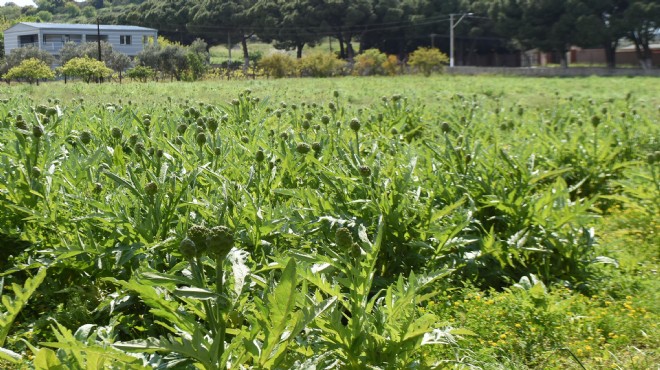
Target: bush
428,60
371,62
18,55
321,64
278,65
31,70
141,73
391,65
86,68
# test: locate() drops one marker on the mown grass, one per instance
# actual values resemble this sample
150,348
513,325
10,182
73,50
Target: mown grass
500,179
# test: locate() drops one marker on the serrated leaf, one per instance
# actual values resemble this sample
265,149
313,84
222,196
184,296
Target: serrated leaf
195,293
15,306
9,356
46,359
462,331
237,258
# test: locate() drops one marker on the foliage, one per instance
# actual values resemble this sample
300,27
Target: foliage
177,61
321,64
427,60
371,62
140,73
85,68
278,65
32,70
17,56
320,229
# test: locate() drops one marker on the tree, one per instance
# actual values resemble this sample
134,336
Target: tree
86,68
226,17
18,55
31,70
170,17
347,19
642,20
291,24
118,62
602,23
549,25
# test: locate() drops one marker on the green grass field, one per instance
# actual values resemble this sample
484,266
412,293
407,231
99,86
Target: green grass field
404,222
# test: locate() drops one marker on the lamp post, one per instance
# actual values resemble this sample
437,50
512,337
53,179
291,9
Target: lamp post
453,25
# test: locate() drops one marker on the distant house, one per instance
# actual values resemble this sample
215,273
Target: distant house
129,40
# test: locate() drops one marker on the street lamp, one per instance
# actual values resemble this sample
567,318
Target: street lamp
453,25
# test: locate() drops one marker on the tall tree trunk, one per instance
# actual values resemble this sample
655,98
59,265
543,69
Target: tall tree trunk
299,49
610,54
642,50
246,55
350,53
563,58
342,51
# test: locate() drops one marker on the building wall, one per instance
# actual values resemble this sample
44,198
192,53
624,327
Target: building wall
623,57
53,46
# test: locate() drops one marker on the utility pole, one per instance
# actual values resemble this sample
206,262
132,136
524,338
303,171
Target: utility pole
451,34
98,36
98,41
229,48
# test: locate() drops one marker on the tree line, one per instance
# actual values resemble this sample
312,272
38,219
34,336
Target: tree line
392,26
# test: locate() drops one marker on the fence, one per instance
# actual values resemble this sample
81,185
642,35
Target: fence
552,72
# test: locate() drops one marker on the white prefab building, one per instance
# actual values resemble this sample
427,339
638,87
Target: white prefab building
50,37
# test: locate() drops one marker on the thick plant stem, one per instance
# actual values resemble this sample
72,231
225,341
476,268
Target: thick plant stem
198,274
221,325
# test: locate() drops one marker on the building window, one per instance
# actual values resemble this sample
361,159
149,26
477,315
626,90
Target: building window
125,39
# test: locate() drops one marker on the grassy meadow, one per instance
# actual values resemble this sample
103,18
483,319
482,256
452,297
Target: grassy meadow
446,222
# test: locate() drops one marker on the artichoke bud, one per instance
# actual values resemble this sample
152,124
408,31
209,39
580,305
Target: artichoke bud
133,139
86,137
259,156
139,148
98,188
198,234
201,139
36,172
365,171
355,125
116,133
303,148
445,127
343,238
37,131
151,188
188,248
595,121
219,241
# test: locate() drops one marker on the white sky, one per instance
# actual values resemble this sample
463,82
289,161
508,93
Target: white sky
17,2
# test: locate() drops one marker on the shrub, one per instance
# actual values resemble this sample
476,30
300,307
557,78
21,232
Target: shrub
428,60
86,68
140,73
391,65
321,64
31,70
371,62
18,55
278,65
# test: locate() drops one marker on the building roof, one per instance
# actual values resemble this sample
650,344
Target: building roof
85,27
